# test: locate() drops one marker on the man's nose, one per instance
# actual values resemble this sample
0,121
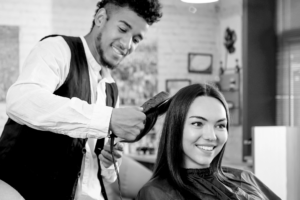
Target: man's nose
126,42
209,133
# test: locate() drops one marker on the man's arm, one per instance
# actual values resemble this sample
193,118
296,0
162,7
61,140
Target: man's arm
31,101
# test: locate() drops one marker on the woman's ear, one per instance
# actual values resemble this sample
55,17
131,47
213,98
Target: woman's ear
100,17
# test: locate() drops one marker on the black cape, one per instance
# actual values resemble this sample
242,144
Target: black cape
208,187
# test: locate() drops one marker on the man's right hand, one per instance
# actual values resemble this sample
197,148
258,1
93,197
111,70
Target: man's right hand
127,123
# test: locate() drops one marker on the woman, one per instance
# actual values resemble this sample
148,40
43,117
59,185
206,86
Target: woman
191,149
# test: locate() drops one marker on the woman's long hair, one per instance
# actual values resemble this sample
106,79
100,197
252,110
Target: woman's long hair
169,159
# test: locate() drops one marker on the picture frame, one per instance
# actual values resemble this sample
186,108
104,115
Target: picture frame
174,85
200,63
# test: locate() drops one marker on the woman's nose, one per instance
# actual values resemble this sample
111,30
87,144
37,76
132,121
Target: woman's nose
209,133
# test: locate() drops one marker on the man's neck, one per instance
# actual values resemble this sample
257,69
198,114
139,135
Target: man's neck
92,46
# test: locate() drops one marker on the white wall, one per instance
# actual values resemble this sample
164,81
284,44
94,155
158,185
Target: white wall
276,159
230,15
33,18
181,32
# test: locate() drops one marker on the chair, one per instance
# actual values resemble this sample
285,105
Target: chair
133,176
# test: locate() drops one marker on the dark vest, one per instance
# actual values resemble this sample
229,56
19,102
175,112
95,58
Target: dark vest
42,164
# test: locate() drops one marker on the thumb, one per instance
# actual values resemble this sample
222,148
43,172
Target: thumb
108,142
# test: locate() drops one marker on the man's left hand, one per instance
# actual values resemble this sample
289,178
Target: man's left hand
106,155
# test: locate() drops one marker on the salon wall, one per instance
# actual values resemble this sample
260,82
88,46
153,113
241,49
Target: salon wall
32,18
288,62
230,15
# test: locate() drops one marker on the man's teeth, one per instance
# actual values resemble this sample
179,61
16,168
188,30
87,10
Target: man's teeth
206,148
117,51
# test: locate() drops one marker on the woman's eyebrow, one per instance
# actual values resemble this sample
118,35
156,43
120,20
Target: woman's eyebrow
199,117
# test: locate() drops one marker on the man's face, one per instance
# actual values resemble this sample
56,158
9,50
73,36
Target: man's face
119,36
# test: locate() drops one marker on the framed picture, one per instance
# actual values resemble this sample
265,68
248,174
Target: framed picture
173,85
200,63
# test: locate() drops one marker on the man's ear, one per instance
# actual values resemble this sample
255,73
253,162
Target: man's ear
100,17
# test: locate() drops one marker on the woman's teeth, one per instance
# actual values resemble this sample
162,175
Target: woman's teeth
206,148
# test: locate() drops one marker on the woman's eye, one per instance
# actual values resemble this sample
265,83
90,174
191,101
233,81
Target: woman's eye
221,126
197,123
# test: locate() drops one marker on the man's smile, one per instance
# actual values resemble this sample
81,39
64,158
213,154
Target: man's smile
119,51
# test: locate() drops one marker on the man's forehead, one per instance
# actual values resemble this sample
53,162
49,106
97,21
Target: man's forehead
132,21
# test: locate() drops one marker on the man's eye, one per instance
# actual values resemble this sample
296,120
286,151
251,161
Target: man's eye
136,41
122,30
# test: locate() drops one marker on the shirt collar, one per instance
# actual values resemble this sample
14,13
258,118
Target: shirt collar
104,72
89,56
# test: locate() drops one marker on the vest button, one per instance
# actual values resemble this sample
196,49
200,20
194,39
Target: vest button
79,174
83,150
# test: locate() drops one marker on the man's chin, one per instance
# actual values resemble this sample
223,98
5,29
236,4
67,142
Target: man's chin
111,65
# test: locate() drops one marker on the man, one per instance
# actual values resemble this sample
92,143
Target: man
65,101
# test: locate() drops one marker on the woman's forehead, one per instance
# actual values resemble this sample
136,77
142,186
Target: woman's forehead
208,107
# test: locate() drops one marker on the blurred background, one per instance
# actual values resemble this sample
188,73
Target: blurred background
250,49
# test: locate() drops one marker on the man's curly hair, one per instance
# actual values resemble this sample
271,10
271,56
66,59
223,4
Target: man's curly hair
150,10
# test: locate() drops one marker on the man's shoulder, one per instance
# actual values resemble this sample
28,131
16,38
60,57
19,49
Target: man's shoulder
52,38
59,41
55,44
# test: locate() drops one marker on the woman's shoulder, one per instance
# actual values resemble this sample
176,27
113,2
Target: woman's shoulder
155,189
255,185
237,173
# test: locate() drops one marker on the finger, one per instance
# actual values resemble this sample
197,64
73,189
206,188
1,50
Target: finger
117,154
108,141
106,147
141,127
105,162
107,155
119,146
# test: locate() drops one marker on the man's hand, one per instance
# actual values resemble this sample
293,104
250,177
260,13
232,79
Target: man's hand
127,123
106,155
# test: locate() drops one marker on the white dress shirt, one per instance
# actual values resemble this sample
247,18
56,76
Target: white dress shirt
31,101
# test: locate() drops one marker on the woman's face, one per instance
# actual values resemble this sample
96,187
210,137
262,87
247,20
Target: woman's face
204,133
